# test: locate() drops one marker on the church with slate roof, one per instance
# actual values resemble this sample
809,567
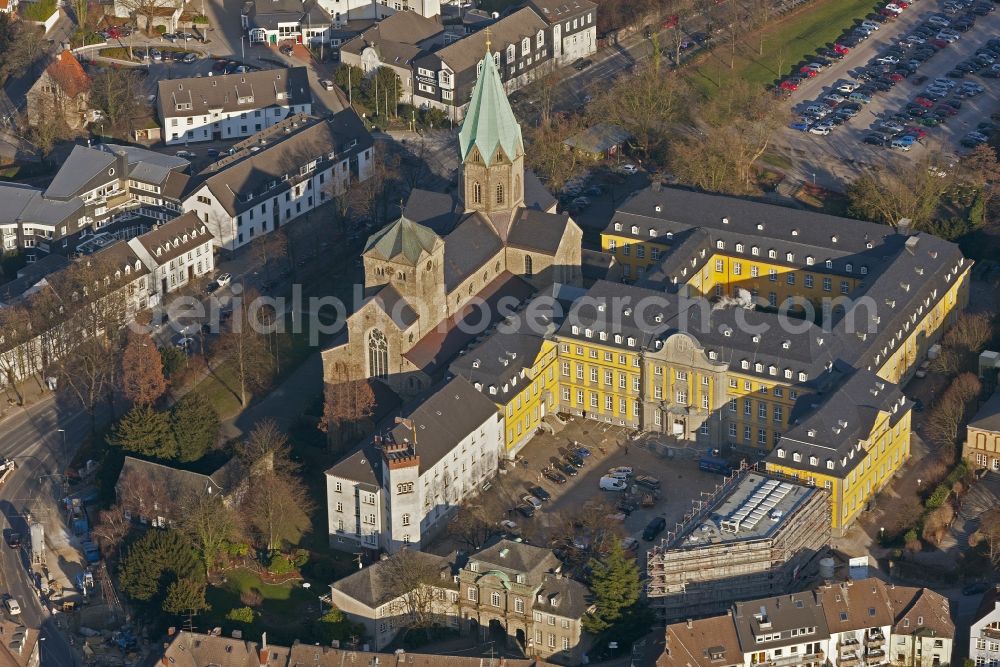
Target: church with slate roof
430,275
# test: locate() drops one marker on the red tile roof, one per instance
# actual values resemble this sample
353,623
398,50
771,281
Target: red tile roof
69,74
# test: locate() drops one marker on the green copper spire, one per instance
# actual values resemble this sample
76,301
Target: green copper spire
490,121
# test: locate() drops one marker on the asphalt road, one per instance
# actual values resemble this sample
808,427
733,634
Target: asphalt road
33,440
837,158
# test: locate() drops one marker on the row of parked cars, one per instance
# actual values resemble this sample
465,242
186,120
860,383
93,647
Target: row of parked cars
158,56
941,99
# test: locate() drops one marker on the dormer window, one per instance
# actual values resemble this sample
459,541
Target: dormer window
755,251
618,226
772,254
635,229
829,464
525,46
829,263
809,260
540,39
781,453
721,245
739,247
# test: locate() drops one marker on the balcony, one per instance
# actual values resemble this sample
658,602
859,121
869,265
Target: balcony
992,633
849,658
848,646
875,656
874,641
793,659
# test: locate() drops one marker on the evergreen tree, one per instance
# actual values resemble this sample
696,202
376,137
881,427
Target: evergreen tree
185,596
144,431
614,582
155,561
194,428
173,360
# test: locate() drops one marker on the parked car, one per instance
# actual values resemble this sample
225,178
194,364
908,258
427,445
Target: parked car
554,476
223,279
527,511
581,450
190,58
575,460
533,501
14,540
13,608
623,470
647,481
568,469
582,63
612,484
629,169
654,528
327,84
156,55
540,493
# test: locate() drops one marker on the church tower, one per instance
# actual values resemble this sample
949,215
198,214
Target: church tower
492,150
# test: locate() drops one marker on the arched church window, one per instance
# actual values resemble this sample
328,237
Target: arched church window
499,193
429,265
528,268
477,193
517,187
378,355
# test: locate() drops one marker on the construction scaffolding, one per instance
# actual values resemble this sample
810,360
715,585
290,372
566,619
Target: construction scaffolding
749,538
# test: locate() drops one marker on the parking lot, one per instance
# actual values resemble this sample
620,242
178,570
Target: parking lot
580,501
843,152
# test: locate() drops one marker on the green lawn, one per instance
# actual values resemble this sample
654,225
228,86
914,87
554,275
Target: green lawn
221,389
763,56
285,613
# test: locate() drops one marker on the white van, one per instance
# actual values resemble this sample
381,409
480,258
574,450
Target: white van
612,484
12,606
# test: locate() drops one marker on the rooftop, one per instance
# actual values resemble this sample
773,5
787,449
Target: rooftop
756,508
233,92
489,122
988,416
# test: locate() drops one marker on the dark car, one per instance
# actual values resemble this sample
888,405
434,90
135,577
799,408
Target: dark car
568,469
654,528
582,64
574,460
525,510
540,493
554,476
211,287
581,451
875,140
14,540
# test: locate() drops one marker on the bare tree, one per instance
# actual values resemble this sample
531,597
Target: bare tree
548,156
16,335
147,9
416,581
210,523
246,344
346,405
970,333
112,526
117,92
276,502
270,247
947,416
913,191
988,535
472,525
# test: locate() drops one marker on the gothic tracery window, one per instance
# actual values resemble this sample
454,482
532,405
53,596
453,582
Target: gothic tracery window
378,354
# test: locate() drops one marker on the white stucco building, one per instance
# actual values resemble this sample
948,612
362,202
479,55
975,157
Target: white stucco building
230,106
404,486
984,633
305,162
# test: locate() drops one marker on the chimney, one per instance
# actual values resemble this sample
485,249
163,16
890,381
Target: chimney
262,656
689,624
121,166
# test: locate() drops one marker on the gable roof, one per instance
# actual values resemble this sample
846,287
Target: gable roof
397,37
146,165
987,418
555,11
489,122
372,585
467,249
81,165
921,610
68,73
538,230
855,605
778,616
464,54
442,419
693,643
180,482
233,92
289,144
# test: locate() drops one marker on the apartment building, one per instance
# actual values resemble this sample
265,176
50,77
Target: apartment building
175,252
274,21
230,106
573,26
862,623
278,175
401,487
525,45
113,189
984,631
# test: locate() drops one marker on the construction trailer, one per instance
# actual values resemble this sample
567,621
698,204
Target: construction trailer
750,538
